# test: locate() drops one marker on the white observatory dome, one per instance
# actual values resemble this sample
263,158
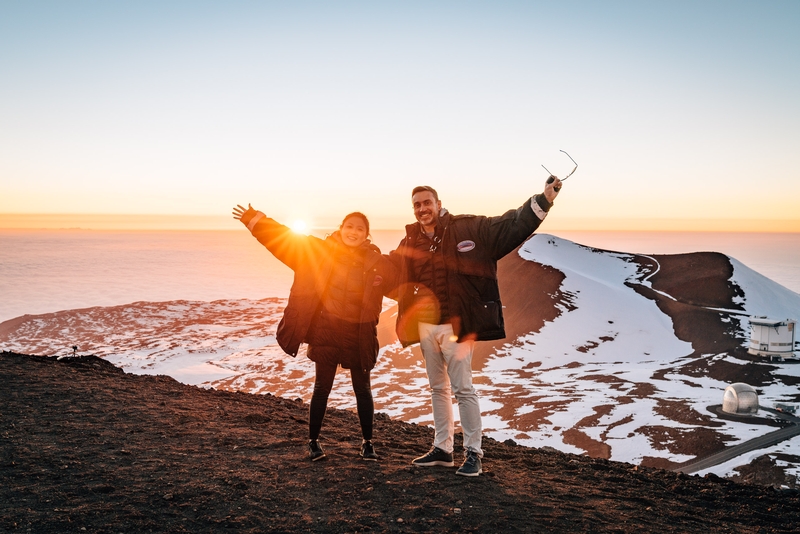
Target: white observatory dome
740,398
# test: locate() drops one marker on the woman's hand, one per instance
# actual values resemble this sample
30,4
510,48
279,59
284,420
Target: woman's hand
244,215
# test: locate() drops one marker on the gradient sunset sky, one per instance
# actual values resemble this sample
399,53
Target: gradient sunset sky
680,114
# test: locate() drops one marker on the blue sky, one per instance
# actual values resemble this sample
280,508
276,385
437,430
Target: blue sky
675,111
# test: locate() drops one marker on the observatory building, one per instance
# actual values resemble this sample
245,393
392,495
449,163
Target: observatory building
772,338
740,399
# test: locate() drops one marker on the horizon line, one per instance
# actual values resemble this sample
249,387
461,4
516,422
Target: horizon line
118,221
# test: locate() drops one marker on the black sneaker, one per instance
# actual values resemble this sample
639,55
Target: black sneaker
471,466
435,456
315,451
368,451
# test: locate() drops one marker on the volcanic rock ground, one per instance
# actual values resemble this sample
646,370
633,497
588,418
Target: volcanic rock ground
88,448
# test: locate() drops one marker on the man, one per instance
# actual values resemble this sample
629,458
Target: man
449,299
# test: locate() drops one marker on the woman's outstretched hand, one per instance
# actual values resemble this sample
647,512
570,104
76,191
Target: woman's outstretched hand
244,214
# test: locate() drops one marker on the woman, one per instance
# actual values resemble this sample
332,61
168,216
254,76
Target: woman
334,304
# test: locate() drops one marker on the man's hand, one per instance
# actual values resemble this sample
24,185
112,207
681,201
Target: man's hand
551,188
244,215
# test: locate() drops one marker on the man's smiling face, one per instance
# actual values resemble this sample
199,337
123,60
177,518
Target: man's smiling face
426,209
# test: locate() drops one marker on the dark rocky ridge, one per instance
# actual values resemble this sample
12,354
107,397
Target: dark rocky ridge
88,448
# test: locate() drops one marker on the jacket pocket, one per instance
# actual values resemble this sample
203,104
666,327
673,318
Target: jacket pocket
288,334
490,315
481,288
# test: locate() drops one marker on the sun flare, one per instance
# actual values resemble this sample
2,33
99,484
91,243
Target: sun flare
299,226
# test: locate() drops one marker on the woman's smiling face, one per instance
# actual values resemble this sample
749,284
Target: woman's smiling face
353,231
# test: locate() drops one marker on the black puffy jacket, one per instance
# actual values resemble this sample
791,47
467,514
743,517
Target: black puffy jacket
316,263
471,246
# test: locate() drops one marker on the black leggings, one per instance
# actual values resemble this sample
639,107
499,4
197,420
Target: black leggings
322,388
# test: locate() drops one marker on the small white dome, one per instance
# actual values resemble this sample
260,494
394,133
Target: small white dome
740,398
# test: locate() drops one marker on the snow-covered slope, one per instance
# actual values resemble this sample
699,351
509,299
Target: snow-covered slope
610,376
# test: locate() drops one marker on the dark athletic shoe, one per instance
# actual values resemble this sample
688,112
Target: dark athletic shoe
315,451
435,456
368,451
471,466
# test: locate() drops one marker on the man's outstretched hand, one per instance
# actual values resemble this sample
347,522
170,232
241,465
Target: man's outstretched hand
551,188
244,214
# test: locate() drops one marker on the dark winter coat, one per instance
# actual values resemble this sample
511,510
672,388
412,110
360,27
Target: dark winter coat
470,247
336,297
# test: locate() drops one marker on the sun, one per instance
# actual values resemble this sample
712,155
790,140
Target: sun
299,226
